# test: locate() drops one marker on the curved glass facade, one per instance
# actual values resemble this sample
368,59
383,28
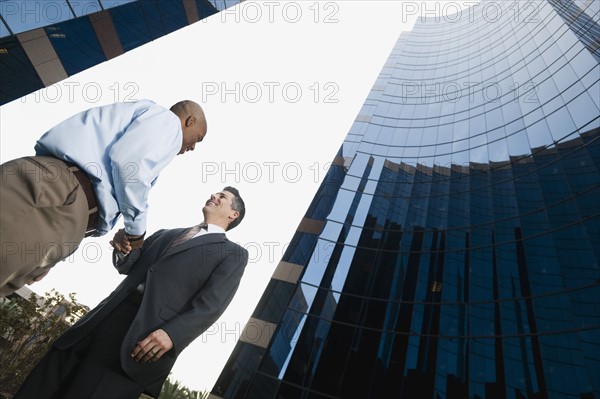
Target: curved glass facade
453,250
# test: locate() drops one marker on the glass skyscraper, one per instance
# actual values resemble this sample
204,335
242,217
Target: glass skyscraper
453,249
44,42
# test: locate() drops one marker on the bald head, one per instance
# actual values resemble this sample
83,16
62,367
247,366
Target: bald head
193,123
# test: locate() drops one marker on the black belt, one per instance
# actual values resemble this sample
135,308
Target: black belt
90,195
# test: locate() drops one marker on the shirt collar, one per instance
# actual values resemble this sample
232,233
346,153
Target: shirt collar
213,228
210,228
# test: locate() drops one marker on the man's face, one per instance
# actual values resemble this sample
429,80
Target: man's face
220,205
193,133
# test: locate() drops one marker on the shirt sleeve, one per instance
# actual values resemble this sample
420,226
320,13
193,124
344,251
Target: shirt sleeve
148,144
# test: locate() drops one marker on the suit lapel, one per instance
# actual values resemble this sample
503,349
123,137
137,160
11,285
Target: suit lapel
168,240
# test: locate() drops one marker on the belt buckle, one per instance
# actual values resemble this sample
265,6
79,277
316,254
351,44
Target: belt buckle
89,233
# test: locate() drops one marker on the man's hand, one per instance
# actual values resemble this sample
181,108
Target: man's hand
120,242
152,347
135,241
125,243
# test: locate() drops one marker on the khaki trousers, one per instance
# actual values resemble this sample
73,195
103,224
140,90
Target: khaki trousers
43,218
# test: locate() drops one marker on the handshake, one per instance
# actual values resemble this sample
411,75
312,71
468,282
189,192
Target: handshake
125,243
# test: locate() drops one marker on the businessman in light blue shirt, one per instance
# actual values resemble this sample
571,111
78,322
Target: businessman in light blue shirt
88,171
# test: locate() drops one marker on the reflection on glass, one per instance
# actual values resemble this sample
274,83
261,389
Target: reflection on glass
85,7
292,346
318,263
464,246
3,29
114,3
339,278
23,16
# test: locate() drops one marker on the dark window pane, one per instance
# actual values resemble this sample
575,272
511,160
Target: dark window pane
76,44
131,25
205,8
273,301
15,63
22,16
235,377
163,17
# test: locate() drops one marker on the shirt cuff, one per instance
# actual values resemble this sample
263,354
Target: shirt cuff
135,228
120,255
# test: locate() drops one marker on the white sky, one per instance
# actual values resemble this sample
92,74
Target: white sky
273,145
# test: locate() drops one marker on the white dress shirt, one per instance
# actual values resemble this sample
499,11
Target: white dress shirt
210,228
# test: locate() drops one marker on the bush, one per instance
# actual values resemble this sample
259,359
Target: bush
27,329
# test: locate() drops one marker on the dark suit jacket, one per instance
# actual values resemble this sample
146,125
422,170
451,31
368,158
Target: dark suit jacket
187,288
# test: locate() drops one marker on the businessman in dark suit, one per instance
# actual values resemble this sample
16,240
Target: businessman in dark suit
177,285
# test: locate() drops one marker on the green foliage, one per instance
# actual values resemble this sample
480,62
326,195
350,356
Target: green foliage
27,329
29,326
172,389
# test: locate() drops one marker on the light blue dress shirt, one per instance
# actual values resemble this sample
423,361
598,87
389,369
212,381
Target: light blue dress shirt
122,147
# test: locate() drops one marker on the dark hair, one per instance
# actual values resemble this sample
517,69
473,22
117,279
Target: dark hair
237,205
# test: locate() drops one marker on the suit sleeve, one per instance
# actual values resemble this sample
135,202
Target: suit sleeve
210,303
124,264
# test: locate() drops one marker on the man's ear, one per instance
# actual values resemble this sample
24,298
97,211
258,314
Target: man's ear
190,120
234,215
